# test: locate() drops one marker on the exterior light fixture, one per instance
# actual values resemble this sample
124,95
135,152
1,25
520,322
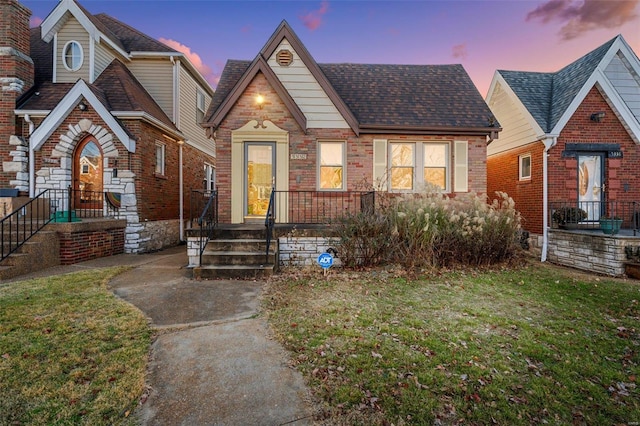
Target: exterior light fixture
82,106
597,116
259,101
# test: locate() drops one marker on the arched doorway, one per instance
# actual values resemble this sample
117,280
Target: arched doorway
87,174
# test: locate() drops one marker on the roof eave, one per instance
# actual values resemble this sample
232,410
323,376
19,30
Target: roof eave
431,130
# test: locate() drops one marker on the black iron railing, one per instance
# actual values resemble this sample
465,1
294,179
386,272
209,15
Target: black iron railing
53,205
318,207
587,214
208,219
269,221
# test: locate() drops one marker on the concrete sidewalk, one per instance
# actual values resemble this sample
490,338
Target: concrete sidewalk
212,362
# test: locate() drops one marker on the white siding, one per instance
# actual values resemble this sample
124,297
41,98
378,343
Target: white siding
516,130
102,59
195,133
626,82
72,30
156,75
306,92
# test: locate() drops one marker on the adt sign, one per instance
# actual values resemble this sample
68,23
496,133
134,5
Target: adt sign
325,260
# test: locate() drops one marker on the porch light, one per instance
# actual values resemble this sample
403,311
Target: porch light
597,116
259,101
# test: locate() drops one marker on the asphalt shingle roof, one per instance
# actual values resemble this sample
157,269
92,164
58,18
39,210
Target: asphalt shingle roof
129,38
548,95
411,96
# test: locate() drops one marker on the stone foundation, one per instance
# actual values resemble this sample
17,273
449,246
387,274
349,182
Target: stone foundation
158,234
590,251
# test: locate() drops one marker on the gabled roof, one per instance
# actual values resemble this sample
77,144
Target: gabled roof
551,98
371,98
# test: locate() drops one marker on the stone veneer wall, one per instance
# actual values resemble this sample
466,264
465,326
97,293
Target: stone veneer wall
589,251
158,234
303,251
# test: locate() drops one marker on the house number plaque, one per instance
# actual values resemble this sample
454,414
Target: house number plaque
298,156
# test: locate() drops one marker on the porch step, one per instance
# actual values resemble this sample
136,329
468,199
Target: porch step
233,271
238,251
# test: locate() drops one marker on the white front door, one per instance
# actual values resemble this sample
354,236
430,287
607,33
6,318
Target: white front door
590,184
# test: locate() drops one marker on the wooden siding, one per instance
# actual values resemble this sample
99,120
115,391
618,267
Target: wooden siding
156,75
306,92
72,30
189,125
102,59
626,82
516,128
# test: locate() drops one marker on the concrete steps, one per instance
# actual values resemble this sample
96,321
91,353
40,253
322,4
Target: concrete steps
238,252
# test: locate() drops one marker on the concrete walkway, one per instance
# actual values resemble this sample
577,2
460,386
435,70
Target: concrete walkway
212,362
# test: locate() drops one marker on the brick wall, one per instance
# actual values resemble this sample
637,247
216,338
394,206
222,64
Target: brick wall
303,172
91,240
16,75
503,175
621,175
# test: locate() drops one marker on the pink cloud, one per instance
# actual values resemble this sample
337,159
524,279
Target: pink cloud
459,51
313,19
246,29
588,15
195,59
35,21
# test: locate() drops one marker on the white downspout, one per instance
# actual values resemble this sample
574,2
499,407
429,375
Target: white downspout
32,158
549,142
181,190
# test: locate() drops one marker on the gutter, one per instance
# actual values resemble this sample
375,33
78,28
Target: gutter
181,189
549,142
32,159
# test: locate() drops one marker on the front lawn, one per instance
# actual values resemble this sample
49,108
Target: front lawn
531,345
70,351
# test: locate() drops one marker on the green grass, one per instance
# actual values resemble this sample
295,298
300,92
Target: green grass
517,346
70,351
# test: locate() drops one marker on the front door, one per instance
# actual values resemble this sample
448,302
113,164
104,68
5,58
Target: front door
87,174
259,177
591,184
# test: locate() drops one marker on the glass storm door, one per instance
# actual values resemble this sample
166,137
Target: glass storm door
590,184
87,175
260,177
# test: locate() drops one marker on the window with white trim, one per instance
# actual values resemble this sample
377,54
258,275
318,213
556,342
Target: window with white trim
209,177
413,165
331,165
72,56
524,168
200,106
160,158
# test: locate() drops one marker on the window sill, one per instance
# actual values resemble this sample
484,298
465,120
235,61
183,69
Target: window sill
159,176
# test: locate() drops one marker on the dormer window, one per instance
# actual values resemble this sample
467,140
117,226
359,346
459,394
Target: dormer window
72,56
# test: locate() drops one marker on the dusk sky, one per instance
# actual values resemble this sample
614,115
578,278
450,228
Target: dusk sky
481,35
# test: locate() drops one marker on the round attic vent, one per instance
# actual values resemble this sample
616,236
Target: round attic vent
284,58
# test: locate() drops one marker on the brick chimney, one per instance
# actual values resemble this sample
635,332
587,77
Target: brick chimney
16,76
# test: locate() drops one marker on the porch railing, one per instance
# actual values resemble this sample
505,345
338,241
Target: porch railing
208,219
269,221
53,205
319,207
587,214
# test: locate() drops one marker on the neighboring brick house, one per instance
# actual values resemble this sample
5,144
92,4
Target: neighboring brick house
90,102
569,136
287,121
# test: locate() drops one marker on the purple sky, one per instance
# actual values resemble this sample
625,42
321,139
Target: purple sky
481,35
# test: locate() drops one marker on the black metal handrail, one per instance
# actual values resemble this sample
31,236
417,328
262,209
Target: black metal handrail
587,214
269,221
22,224
53,205
208,220
320,207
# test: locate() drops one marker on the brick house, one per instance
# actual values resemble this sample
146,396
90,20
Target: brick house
91,103
326,130
569,138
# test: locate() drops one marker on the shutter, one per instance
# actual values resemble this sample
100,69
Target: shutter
461,167
380,175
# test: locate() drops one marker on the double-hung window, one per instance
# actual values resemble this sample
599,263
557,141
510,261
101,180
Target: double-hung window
524,167
209,177
331,164
200,106
160,158
414,165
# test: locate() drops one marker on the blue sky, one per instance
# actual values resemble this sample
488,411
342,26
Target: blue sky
481,35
